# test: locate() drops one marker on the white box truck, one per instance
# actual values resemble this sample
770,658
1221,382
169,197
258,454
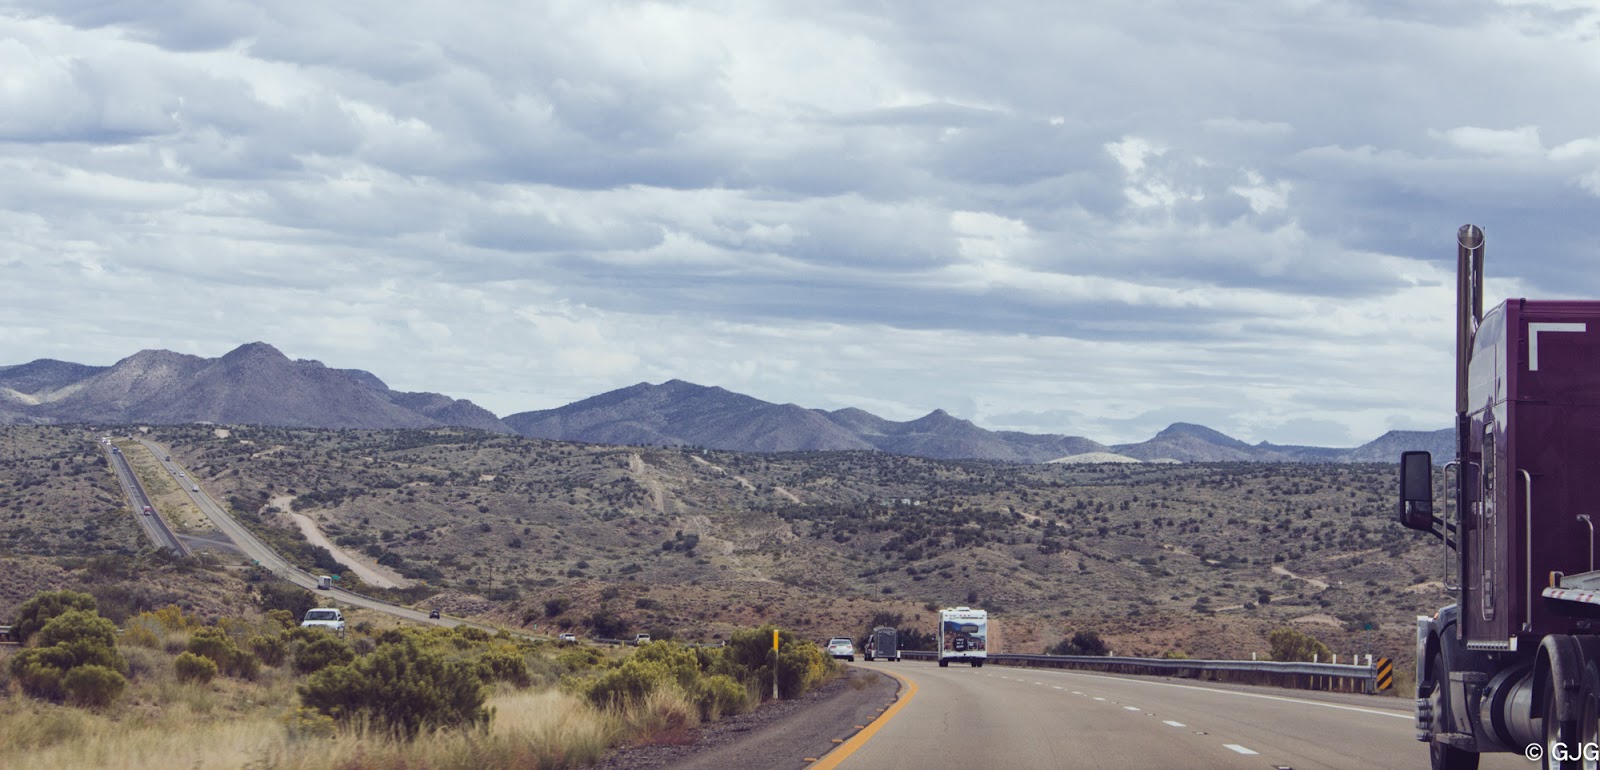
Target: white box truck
963,636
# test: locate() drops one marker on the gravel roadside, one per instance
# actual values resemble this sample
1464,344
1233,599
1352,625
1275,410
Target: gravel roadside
776,735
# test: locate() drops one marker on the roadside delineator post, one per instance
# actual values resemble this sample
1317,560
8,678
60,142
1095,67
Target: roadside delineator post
774,664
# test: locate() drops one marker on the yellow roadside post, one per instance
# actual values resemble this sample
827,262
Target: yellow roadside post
774,664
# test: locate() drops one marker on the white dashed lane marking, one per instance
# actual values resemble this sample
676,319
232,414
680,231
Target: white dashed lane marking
1174,724
1238,748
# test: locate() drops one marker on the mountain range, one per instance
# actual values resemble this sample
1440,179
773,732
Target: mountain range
257,384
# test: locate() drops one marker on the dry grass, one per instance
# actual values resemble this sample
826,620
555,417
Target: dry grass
195,728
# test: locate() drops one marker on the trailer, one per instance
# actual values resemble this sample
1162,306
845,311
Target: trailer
883,642
1514,664
963,636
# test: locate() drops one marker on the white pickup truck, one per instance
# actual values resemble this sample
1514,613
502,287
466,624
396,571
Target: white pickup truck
324,617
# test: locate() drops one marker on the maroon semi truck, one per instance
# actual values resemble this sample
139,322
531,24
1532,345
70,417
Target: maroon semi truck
1514,664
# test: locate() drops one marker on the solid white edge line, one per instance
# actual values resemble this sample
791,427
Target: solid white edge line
1238,748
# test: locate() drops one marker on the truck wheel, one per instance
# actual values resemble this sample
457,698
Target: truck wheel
1589,719
1559,732
977,664
1442,756
944,664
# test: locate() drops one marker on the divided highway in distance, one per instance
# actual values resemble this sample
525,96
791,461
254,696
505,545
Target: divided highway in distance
1019,718
268,558
144,510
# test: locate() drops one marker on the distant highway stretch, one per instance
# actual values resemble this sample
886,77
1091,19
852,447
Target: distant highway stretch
1016,718
153,525
276,564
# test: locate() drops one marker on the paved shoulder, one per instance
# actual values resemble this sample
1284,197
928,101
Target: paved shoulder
777,735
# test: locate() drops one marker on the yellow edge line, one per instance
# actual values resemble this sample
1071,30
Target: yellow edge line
843,752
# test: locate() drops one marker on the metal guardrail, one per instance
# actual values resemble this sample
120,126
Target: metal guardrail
1305,676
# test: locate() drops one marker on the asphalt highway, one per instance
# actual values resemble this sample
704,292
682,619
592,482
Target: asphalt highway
1017,718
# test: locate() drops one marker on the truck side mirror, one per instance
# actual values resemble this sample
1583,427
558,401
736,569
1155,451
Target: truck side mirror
1416,490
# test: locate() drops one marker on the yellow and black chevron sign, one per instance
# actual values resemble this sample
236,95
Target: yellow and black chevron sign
1385,674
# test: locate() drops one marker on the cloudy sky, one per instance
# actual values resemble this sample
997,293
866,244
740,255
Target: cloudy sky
1089,218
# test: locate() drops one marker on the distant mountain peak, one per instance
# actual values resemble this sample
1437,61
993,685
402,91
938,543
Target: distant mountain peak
1203,433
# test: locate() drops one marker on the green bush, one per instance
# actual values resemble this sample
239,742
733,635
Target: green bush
504,664
1080,643
321,652
93,686
195,668
719,695
271,650
214,643
802,665
38,676
1289,644
72,639
626,685
39,610
400,689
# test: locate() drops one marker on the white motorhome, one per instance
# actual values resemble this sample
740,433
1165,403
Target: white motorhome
963,636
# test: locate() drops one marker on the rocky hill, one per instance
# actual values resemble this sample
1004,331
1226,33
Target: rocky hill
679,413
254,384
257,385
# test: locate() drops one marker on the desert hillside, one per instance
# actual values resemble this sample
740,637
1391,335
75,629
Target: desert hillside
1199,558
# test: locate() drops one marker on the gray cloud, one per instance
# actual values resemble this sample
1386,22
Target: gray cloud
1081,218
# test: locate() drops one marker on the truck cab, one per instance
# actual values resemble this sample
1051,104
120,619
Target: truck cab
1515,661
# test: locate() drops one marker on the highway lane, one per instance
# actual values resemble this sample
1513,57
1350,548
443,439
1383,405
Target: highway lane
153,525
1030,718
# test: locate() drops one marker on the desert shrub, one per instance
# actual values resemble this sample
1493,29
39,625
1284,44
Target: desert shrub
662,717
271,649
321,652
214,643
719,695
194,668
282,618
290,598
580,659
802,665
170,618
144,663
626,685
38,676
93,686
141,633
1289,644
504,664
400,689
1080,643
556,606
69,640
39,610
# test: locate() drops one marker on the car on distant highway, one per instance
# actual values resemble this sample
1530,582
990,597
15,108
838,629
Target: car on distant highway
568,638
639,640
433,615
148,511
842,648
